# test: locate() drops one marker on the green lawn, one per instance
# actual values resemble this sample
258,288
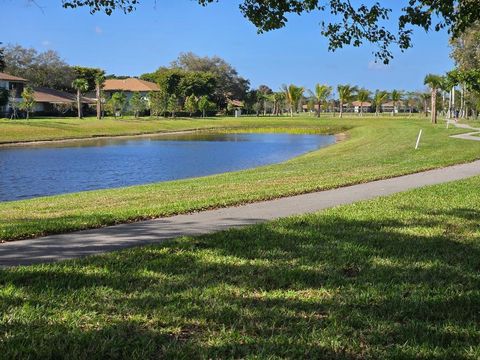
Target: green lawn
393,278
376,148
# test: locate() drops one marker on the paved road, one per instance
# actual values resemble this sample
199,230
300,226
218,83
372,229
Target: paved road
83,243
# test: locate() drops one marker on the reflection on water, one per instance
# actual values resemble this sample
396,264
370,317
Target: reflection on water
108,163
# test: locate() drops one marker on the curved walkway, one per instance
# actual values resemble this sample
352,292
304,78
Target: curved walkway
83,243
475,135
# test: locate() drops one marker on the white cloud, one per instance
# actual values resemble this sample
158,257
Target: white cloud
375,65
98,30
46,43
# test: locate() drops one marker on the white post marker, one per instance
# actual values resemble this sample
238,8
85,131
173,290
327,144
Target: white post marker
418,139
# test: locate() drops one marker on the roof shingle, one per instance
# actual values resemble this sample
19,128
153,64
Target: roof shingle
45,95
130,84
8,77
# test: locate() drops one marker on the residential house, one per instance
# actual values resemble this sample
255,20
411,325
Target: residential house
47,101
50,101
358,106
388,107
15,86
128,87
236,106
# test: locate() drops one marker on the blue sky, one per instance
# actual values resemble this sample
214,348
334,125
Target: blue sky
155,34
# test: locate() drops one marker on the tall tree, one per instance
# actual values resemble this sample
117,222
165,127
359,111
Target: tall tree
2,58
379,99
352,23
466,48
99,81
197,83
434,82
278,102
412,100
363,95
293,94
95,78
466,53
425,97
345,95
81,86
321,94
42,69
229,85
263,96
396,97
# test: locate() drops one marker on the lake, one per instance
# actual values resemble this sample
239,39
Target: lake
57,168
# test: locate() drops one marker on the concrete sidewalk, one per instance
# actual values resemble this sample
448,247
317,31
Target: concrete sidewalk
83,243
468,136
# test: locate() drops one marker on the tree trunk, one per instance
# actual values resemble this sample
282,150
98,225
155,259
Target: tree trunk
443,103
341,109
319,106
99,102
434,106
79,104
449,114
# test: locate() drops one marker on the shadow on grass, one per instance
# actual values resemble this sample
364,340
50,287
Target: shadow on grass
319,286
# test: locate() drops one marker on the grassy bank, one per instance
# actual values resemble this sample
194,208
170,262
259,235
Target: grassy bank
377,148
394,278
71,128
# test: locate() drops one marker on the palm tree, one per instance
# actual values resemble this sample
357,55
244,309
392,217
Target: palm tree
452,79
321,94
434,82
379,98
293,94
444,87
81,85
345,94
396,97
425,98
363,96
412,99
99,80
278,102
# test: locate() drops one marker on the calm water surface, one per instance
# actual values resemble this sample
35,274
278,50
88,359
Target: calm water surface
27,172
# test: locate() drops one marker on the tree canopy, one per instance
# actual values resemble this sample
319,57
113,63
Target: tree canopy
343,22
45,69
230,85
2,58
90,75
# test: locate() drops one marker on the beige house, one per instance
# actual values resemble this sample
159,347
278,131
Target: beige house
128,87
388,107
358,106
